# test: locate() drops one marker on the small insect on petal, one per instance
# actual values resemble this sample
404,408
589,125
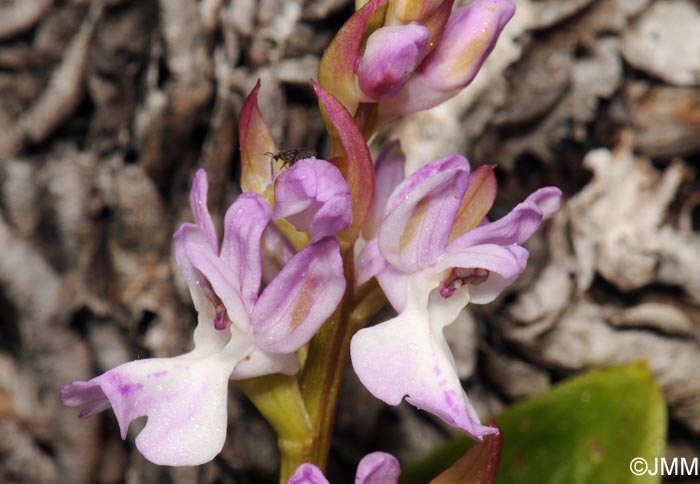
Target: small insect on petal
288,157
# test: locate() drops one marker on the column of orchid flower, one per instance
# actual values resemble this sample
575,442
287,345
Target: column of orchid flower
332,242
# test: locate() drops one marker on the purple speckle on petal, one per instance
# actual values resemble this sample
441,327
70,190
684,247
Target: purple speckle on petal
450,396
158,374
123,387
127,388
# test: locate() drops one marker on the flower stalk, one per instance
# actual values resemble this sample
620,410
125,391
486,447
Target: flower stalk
279,400
322,377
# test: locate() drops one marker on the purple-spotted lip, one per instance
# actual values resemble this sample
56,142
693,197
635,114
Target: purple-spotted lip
460,276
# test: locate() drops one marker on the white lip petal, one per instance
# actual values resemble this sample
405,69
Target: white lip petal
184,399
408,357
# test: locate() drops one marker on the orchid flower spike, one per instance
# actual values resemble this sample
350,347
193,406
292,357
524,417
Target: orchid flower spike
240,333
433,253
374,468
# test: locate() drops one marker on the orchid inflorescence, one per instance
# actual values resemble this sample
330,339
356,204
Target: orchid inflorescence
312,250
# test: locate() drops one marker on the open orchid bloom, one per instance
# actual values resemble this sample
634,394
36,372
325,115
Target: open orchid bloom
434,252
240,333
374,468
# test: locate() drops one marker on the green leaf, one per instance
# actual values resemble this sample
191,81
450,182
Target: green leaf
586,430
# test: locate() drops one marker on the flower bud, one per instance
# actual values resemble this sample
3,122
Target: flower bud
390,58
469,38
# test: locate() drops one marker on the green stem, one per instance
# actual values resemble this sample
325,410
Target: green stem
325,366
279,400
369,303
328,357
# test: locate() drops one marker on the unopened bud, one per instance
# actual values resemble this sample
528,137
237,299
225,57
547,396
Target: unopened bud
469,38
390,58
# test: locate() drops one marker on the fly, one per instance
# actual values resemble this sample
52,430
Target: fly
287,158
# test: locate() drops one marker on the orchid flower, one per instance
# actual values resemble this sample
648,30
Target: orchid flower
374,468
240,333
326,194
424,54
314,197
433,253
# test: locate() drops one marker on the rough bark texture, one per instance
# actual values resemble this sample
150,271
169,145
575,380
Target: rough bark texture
108,106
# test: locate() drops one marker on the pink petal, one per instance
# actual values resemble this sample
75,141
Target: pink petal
194,279
469,37
276,252
198,205
548,199
314,197
394,283
299,300
332,217
390,173
476,202
244,223
308,474
391,55
515,228
370,262
421,212
378,468
192,249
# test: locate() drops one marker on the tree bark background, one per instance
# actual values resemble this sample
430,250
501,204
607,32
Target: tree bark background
107,107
